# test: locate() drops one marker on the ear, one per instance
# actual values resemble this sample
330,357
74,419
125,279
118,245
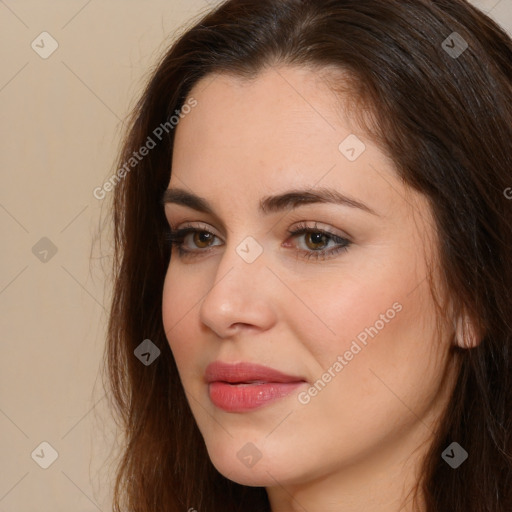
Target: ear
467,334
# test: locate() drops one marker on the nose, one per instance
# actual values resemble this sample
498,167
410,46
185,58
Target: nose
240,297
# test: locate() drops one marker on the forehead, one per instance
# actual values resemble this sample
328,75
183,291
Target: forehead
247,138
273,113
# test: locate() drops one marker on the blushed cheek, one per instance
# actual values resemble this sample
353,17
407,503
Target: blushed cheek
367,379
175,311
180,315
350,318
179,336
386,335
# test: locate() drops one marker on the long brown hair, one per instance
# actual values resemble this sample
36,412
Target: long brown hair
443,113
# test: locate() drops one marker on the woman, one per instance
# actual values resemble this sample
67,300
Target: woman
312,283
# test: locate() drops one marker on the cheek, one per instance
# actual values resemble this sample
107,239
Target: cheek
178,313
379,324
384,354
339,311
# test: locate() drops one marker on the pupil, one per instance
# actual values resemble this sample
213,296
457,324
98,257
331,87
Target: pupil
316,238
203,237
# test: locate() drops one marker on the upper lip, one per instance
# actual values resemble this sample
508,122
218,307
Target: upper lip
245,373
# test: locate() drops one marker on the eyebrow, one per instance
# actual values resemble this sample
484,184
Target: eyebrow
270,204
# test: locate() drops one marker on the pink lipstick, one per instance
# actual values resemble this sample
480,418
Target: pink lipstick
246,386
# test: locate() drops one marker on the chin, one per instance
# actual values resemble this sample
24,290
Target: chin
245,464
248,477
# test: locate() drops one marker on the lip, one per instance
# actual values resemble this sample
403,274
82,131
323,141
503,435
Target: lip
246,386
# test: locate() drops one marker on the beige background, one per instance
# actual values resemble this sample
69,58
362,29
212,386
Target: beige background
61,123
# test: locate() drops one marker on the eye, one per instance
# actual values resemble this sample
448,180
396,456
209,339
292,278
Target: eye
316,241
201,237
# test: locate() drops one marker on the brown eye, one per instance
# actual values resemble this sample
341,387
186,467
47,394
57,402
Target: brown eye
191,241
202,239
316,240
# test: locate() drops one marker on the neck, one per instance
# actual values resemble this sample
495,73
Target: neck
381,481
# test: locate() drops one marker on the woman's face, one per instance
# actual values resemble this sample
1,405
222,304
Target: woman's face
346,316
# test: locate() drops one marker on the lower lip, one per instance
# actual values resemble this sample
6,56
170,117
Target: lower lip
246,397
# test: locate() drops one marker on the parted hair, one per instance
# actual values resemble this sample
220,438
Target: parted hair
445,120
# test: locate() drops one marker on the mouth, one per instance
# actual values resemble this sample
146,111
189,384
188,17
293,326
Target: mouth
246,386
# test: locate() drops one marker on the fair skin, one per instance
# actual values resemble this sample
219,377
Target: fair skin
356,444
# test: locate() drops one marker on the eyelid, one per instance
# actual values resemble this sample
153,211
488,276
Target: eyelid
342,242
296,229
319,226
201,226
302,224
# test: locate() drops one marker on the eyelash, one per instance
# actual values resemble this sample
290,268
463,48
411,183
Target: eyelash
176,238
